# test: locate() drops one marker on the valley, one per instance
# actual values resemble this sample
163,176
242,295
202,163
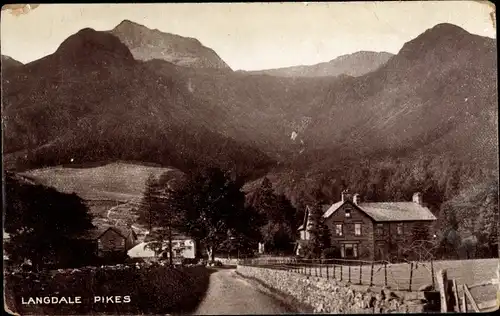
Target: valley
364,121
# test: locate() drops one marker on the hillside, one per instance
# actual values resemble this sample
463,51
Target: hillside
355,65
112,191
9,62
92,101
146,44
436,96
410,105
118,181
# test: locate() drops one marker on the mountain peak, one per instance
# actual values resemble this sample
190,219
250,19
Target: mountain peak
447,28
439,41
91,45
128,24
146,44
9,62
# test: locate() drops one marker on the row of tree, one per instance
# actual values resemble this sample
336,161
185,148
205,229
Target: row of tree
207,205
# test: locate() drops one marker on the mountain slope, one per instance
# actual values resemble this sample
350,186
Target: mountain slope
437,95
92,101
356,64
146,44
9,62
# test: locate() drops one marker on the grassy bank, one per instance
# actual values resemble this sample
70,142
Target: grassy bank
152,289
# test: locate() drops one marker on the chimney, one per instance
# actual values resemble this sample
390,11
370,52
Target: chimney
356,199
346,196
417,198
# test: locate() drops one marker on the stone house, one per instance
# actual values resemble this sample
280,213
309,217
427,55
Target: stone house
110,240
372,230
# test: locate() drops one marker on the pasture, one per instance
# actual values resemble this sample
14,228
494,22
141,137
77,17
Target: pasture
117,181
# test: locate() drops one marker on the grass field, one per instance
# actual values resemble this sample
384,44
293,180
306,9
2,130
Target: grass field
113,181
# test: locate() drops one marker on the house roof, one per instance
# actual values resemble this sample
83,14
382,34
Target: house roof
141,251
304,221
389,211
97,232
332,209
175,236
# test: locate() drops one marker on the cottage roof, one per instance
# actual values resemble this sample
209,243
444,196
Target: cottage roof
141,251
332,209
389,211
324,208
175,236
97,232
304,221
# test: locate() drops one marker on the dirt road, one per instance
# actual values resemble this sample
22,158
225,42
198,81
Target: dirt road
230,294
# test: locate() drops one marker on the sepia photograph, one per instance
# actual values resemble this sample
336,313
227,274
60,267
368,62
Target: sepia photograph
250,158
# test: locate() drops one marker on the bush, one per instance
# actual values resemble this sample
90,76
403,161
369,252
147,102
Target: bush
114,258
153,289
190,261
216,263
330,253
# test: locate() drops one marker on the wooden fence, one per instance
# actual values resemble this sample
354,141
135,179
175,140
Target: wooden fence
456,298
399,276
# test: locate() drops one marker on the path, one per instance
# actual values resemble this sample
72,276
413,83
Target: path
230,294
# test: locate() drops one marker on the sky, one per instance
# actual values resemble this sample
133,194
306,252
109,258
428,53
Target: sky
250,36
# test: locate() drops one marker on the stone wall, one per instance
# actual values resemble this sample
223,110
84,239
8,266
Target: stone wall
330,296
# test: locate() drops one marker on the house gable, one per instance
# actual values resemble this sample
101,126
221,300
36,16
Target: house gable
107,231
341,207
304,221
349,215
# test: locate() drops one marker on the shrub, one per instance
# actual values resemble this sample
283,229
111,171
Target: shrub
330,253
153,289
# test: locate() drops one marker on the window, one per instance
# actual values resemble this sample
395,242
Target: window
348,213
349,251
380,229
338,229
399,228
357,229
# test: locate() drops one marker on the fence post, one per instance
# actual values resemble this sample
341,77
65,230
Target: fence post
360,273
334,266
341,273
411,274
327,276
385,272
371,274
349,267
455,296
445,291
464,300
432,275
320,270
471,299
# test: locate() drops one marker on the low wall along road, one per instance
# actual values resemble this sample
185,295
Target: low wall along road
333,296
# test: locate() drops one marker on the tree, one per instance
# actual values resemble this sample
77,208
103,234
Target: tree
157,213
43,224
420,245
149,206
213,209
278,231
319,232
